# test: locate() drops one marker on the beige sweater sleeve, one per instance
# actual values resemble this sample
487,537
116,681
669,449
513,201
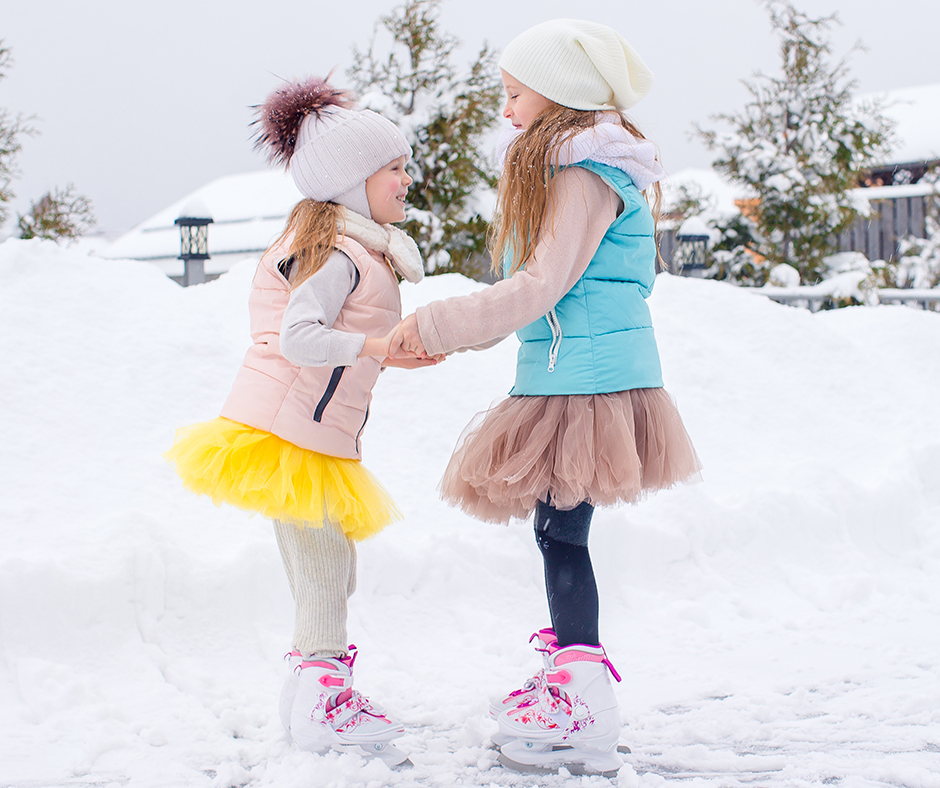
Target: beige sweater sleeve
580,209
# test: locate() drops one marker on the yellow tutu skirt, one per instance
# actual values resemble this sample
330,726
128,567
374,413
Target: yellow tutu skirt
255,470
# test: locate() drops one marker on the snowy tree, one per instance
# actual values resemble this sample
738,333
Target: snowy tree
685,199
446,117
801,145
61,214
919,263
13,127
732,257
729,254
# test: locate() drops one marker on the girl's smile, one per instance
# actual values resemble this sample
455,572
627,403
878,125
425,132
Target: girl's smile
523,104
386,190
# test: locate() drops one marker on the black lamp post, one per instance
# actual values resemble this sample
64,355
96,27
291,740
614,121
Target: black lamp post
692,247
194,221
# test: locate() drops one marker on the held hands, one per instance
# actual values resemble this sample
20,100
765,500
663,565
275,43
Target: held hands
406,341
401,347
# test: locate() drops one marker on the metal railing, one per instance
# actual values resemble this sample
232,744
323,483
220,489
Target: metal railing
813,297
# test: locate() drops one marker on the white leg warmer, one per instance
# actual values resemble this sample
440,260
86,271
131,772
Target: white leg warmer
321,569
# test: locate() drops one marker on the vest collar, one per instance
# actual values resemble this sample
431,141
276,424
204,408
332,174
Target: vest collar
607,142
395,244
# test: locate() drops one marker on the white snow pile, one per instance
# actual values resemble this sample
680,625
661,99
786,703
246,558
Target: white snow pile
777,624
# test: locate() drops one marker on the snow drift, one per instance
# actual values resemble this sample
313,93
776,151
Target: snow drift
777,623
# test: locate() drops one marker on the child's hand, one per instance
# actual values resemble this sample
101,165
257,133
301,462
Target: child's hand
390,347
376,346
413,363
406,341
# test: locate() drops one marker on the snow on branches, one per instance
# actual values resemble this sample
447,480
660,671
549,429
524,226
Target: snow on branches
447,117
801,144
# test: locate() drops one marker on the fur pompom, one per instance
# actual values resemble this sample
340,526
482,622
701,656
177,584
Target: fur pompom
280,116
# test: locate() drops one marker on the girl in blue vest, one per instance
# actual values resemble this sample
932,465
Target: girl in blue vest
588,421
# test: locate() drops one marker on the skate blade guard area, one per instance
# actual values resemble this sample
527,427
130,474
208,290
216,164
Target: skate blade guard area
389,753
577,761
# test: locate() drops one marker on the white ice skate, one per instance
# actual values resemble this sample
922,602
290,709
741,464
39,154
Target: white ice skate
571,720
329,714
289,690
545,641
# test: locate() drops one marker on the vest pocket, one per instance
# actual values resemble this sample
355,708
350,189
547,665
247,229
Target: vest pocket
358,434
328,394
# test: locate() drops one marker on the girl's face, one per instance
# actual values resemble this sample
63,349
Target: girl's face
386,190
522,104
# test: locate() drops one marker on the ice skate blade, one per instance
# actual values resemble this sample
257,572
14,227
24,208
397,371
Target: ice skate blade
388,753
621,748
497,740
576,769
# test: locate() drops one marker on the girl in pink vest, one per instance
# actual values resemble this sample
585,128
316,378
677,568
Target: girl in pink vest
287,444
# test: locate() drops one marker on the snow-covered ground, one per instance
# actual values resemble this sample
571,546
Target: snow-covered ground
776,625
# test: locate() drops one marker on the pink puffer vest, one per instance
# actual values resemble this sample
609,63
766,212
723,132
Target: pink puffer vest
318,408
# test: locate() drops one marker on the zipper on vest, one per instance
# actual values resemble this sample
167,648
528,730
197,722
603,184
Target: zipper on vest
358,434
328,394
555,326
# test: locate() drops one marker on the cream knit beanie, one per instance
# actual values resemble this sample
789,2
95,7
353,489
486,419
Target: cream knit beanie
578,64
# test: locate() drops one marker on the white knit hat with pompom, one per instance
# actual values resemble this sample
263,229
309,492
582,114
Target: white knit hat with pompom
338,149
329,147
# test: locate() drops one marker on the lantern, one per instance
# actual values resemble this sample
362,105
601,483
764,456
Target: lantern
692,247
194,221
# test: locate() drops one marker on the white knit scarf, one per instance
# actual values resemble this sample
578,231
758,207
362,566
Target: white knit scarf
396,244
608,142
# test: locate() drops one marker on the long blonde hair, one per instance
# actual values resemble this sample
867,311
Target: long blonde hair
526,180
314,225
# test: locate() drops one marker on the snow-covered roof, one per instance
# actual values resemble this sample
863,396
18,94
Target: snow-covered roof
717,191
248,213
249,210
916,112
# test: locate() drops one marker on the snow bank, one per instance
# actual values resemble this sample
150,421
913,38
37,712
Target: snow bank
776,623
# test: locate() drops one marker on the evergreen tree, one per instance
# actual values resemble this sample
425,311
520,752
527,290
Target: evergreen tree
801,145
732,236
446,117
60,214
12,129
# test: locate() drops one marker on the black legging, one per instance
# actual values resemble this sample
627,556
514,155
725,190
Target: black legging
562,536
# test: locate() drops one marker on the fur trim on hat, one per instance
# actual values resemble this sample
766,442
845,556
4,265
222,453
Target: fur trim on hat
401,250
280,116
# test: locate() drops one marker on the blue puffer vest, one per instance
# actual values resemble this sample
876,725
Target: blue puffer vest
599,337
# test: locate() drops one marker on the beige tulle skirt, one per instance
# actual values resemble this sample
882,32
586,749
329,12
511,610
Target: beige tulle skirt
602,448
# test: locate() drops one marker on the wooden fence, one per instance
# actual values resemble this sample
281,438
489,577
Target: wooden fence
891,219
876,236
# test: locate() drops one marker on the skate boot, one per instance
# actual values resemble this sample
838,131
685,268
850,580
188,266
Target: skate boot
328,713
545,642
571,720
289,690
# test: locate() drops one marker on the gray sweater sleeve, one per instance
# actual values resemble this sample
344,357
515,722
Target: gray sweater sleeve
307,335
